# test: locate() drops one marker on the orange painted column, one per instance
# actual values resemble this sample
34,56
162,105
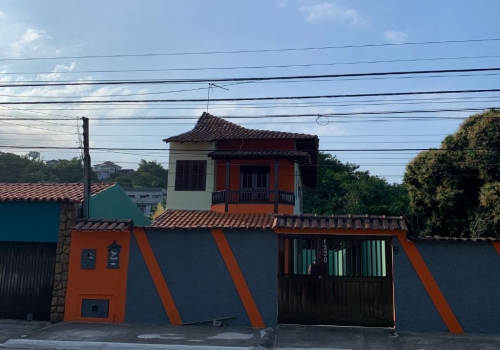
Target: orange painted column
431,286
238,279
100,282
496,245
157,276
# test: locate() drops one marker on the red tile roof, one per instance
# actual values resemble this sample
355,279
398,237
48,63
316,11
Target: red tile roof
43,192
453,239
103,225
206,219
210,128
340,222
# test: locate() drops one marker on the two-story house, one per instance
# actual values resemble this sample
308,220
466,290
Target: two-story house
234,246
224,167
105,170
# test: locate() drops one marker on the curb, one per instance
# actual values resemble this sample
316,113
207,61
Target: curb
89,345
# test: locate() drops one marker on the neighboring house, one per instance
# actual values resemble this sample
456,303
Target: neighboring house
105,170
35,241
233,246
146,198
130,173
52,162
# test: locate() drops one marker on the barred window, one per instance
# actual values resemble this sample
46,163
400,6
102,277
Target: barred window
190,175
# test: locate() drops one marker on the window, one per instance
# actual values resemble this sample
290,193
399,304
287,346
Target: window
190,175
131,195
144,195
156,196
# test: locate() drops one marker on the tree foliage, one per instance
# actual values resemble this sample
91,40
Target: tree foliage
344,189
455,190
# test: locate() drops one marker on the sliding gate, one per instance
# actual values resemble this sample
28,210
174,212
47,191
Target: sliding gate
335,280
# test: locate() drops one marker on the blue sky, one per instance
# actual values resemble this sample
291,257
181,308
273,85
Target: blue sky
68,28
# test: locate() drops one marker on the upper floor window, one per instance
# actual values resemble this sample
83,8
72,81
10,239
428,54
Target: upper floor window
131,195
190,175
144,196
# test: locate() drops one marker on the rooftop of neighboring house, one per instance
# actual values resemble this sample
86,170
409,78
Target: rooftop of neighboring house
144,189
107,163
47,192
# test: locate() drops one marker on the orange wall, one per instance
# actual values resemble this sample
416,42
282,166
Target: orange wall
286,173
98,283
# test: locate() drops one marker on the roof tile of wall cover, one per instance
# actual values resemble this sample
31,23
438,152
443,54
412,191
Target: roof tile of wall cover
453,239
206,219
103,225
340,222
47,192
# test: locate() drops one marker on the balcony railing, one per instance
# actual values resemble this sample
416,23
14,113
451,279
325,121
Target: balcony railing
253,197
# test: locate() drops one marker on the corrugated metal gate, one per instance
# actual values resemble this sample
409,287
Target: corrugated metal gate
26,279
335,280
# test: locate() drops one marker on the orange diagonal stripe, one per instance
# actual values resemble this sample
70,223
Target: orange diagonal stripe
496,245
238,279
158,279
431,286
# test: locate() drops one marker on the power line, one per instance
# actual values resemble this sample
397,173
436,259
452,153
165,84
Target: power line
247,79
268,116
257,67
255,51
409,93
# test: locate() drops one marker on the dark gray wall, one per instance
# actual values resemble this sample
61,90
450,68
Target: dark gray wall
197,276
468,274
256,253
415,310
143,304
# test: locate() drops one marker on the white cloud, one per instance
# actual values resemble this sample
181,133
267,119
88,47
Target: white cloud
331,11
2,15
31,35
282,3
395,37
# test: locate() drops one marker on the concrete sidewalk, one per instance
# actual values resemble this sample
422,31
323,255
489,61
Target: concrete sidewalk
78,336
13,329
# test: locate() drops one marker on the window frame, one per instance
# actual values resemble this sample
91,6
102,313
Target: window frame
180,176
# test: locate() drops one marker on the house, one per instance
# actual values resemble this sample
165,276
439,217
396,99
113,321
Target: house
105,170
233,246
52,162
146,198
35,238
229,168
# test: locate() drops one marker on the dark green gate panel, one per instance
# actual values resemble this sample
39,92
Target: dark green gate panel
26,279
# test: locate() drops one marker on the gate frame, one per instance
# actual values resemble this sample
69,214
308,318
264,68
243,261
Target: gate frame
361,233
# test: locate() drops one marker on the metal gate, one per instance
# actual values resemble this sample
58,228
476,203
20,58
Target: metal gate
26,279
335,280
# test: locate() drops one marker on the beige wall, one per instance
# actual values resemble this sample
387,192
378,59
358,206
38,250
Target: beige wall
298,185
195,200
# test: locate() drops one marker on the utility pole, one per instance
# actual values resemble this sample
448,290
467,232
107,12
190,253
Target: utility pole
87,182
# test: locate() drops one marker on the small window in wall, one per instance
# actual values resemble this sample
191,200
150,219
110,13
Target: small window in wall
144,196
190,175
131,195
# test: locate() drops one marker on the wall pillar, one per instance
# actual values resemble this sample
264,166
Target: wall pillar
66,220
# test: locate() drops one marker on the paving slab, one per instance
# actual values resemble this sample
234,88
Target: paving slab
14,329
71,335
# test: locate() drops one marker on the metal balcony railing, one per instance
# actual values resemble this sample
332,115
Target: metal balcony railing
253,197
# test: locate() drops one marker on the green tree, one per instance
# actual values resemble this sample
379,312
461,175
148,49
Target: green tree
68,170
344,189
454,189
150,174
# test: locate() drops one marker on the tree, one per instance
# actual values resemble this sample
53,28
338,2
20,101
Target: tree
151,174
344,189
454,189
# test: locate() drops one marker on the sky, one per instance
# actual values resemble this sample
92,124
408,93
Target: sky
50,41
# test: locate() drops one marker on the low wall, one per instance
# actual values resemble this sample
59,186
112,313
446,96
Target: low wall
230,274
446,286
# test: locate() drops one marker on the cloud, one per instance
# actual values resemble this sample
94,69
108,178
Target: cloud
2,15
395,37
30,35
331,11
282,3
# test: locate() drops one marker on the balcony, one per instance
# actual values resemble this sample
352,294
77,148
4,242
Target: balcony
253,197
